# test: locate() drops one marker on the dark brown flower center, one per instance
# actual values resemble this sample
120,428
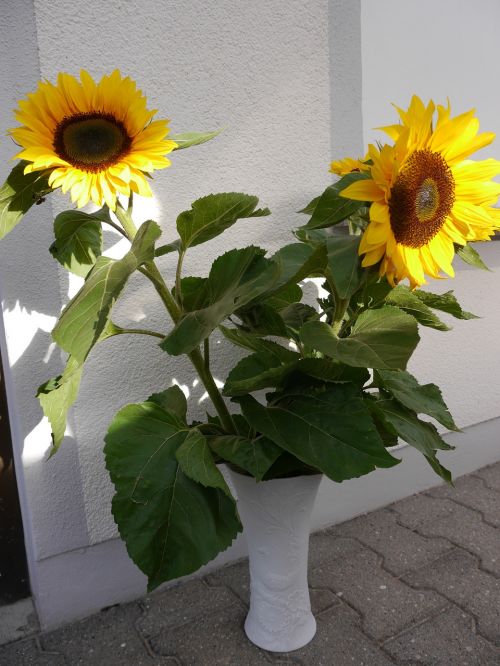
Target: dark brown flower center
91,141
421,198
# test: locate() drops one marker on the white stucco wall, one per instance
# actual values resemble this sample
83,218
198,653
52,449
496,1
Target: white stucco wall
284,77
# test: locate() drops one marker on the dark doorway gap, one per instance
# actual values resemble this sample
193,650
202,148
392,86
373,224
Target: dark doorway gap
14,583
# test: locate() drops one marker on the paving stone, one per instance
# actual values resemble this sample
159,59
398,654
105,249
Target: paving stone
26,653
340,641
402,549
18,620
457,576
446,640
472,491
108,638
237,578
217,638
462,526
180,604
387,604
491,475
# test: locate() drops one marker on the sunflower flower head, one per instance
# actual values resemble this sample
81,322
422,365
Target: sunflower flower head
426,194
348,165
97,139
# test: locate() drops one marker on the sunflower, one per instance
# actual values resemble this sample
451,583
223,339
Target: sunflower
427,196
98,139
348,165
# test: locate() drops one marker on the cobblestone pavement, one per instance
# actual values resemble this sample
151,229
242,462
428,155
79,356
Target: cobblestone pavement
417,582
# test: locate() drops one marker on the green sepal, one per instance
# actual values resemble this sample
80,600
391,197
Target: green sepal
19,192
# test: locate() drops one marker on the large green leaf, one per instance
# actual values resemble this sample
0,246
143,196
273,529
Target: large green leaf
255,372
171,524
85,317
255,456
78,242
331,431
197,462
402,297
345,265
471,256
189,139
56,397
445,303
383,338
18,194
235,279
404,423
426,399
213,214
331,207
171,400
58,394
297,261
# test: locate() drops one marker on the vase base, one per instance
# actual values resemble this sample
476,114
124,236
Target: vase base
281,642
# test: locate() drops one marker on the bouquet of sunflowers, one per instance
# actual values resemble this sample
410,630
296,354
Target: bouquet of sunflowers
339,396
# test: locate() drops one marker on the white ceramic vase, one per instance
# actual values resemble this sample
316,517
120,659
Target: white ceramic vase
275,516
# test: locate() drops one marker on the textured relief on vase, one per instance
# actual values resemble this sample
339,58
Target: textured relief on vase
275,516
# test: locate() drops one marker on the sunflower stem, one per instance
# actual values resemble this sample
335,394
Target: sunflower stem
125,219
150,270
139,331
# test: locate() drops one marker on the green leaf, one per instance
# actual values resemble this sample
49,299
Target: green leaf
18,194
255,372
403,422
255,343
383,338
255,456
311,206
296,314
445,303
235,279
345,265
290,293
262,319
174,246
197,462
56,397
58,394
331,431
85,317
171,524
171,400
298,261
426,399
194,296
402,297
189,139
211,215
78,242
471,256
331,207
